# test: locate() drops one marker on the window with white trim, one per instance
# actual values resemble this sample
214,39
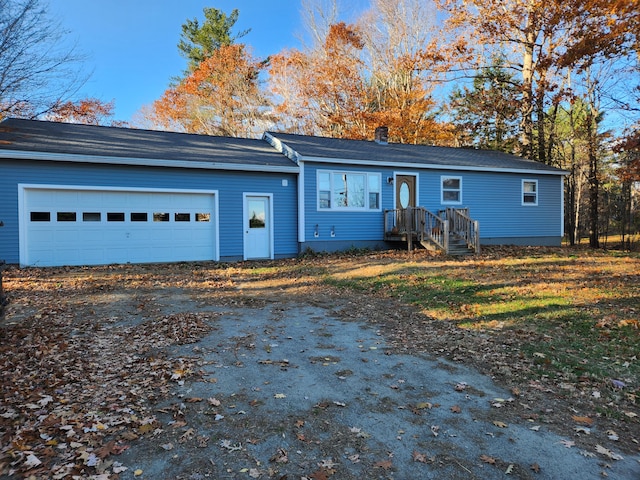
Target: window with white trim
348,190
451,190
530,192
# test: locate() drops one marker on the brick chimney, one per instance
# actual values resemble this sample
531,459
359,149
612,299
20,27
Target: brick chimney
382,135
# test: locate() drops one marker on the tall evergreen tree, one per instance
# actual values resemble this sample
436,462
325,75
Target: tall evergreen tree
487,114
198,42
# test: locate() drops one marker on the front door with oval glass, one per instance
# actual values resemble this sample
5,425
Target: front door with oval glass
405,198
405,191
257,227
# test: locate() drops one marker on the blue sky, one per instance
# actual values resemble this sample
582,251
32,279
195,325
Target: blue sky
130,45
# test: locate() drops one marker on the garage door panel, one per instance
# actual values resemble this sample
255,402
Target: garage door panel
101,227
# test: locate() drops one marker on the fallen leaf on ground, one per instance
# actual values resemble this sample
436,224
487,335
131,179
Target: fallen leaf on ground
280,456
568,443
605,451
500,424
327,463
488,459
456,409
535,467
419,457
583,420
385,464
32,461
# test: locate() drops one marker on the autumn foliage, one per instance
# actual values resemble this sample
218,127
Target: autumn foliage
88,111
221,96
334,91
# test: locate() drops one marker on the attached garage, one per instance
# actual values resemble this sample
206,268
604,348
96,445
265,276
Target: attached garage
66,225
92,195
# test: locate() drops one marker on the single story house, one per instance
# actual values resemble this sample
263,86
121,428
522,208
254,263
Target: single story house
85,195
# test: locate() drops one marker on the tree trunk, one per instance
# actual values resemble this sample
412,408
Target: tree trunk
571,206
540,154
594,184
526,106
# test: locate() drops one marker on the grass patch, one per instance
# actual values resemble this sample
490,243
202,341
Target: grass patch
573,314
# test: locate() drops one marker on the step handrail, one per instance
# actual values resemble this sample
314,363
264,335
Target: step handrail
462,225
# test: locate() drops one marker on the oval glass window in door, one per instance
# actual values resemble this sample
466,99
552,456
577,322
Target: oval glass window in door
404,195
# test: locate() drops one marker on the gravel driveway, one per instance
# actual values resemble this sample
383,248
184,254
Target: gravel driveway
197,374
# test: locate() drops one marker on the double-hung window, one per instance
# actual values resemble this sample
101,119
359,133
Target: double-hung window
530,192
348,190
451,190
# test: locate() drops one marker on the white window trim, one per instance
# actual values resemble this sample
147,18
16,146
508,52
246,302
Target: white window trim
442,190
333,208
522,192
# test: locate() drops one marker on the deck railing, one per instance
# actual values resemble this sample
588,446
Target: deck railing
416,224
421,225
464,227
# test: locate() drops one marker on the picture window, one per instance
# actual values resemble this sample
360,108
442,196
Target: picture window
348,191
160,217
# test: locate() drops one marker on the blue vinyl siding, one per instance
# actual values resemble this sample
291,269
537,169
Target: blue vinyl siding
230,187
348,225
494,199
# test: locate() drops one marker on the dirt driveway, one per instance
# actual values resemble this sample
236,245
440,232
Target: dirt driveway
206,371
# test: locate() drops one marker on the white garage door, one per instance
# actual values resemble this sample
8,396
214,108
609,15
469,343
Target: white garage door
94,227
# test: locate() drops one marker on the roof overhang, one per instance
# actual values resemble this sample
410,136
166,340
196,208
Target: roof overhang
428,166
146,162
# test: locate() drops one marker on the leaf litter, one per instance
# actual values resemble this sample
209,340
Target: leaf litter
82,383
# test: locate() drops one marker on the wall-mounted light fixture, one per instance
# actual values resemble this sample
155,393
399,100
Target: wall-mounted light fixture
389,180
333,231
316,233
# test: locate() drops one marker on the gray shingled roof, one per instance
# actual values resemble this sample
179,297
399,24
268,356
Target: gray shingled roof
88,140
311,148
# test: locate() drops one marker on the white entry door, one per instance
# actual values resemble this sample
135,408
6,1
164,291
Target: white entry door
258,234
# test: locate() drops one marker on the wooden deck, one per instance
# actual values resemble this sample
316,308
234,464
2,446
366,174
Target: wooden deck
452,231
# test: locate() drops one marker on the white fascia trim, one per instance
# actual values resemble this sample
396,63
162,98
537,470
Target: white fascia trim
146,162
44,186
301,210
562,207
428,166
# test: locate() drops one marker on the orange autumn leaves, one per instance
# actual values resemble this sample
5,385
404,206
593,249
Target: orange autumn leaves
330,90
221,96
